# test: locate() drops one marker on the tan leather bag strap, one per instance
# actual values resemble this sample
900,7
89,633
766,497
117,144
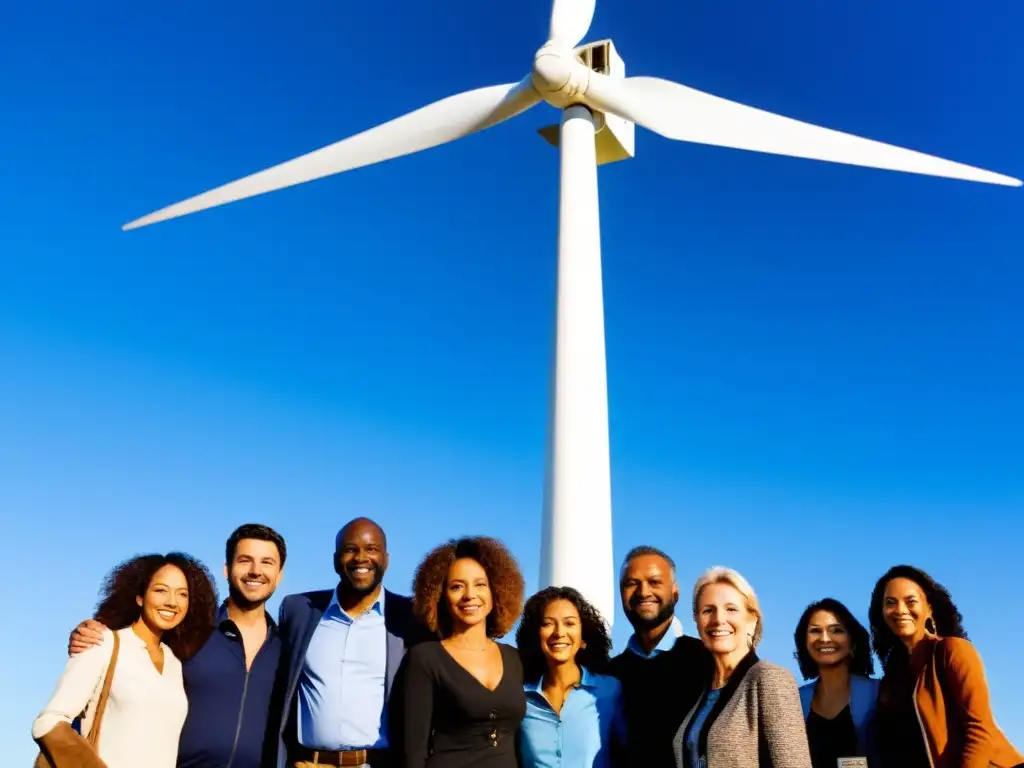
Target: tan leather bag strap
94,731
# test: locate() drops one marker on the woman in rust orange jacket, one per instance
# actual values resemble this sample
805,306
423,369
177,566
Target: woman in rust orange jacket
933,704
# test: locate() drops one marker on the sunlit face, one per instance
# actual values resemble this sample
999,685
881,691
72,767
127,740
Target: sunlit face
361,559
649,593
165,601
561,632
827,640
468,591
254,573
906,609
725,623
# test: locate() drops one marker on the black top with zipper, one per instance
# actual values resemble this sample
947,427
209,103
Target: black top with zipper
227,705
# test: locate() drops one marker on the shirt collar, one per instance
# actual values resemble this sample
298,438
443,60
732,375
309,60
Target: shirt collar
334,607
223,619
668,640
586,681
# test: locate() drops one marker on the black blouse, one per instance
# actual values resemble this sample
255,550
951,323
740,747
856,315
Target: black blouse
831,739
451,720
900,741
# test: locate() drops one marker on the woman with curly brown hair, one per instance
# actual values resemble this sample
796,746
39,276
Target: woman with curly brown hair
573,710
159,609
462,695
933,706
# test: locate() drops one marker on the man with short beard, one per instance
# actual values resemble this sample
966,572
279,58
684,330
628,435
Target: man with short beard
341,650
230,680
663,672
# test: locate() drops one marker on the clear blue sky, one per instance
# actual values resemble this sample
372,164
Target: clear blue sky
815,371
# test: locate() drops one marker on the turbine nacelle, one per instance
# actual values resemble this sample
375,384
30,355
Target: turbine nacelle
614,137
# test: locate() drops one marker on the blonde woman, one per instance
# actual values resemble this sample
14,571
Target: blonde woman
749,715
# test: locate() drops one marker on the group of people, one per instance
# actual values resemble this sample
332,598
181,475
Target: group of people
358,675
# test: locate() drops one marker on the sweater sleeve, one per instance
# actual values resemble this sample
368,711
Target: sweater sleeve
966,686
83,674
783,734
417,706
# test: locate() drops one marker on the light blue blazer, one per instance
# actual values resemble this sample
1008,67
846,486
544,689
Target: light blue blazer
863,700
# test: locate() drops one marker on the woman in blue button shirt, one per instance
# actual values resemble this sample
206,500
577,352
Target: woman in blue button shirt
573,709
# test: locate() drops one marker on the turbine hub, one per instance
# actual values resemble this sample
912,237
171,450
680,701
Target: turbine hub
559,77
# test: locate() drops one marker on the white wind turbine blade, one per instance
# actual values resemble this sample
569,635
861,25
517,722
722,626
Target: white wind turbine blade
570,21
686,114
437,123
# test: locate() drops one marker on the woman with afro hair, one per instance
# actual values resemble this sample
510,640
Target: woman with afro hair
573,709
159,610
933,705
462,696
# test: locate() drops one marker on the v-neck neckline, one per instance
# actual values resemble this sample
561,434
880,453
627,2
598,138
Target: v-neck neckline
473,677
149,657
163,659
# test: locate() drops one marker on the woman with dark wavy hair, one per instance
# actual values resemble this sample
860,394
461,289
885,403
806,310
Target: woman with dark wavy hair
160,609
462,696
834,652
573,710
933,704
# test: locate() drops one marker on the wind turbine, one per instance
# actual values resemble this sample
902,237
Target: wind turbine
599,109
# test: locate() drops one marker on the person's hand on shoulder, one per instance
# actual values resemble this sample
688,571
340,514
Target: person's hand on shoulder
86,635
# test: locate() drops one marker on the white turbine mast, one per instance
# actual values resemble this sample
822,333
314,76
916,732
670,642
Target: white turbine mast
600,106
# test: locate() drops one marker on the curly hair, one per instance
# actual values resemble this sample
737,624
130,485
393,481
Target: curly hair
946,616
596,641
860,661
503,574
130,580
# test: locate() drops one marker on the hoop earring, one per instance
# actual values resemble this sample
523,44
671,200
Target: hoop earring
930,629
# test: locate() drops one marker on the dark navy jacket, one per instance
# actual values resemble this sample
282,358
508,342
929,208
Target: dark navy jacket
298,619
227,706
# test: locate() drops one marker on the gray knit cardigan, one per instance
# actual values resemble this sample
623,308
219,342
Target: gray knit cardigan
757,722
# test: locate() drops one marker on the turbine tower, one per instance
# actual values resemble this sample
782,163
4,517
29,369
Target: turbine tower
600,107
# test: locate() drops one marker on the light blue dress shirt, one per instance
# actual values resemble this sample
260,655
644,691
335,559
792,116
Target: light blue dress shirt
675,631
582,734
341,689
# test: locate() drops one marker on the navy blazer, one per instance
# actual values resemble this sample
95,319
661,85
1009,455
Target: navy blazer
297,621
863,698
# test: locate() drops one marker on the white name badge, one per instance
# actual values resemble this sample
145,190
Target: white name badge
852,762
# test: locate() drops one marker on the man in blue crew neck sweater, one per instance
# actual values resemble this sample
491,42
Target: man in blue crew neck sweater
230,680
